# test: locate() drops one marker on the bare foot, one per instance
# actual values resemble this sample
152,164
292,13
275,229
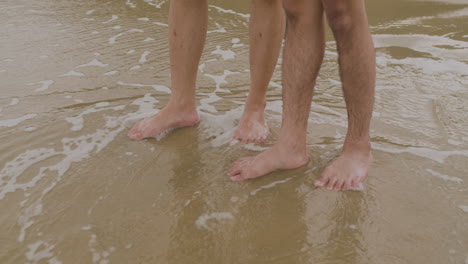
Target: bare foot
252,128
272,159
348,170
167,118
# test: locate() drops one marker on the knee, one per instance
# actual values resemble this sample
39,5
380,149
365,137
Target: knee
339,17
293,9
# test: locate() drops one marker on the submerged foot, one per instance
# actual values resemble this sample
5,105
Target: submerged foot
272,159
167,118
252,128
348,170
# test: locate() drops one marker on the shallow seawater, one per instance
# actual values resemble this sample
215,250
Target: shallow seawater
74,76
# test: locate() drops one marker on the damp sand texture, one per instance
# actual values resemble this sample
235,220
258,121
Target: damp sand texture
74,76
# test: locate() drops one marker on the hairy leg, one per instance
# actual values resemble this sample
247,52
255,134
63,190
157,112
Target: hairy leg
303,56
267,22
187,31
348,21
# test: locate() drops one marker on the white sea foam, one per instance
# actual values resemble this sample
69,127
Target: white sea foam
99,256
113,39
156,4
161,24
202,221
143,19
72,150
270,185
228,11
219,30
14,101
114,17
14,122
464,208
131,51
148,39
225,54
78,121
72,73
89,12
45,85
41,251
432,154
221,79
93,63
134,68
143,57
130,4
157,87
424,43
117,27
111,73
444,177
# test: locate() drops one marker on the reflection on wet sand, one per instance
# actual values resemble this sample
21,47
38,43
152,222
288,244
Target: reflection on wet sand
76,75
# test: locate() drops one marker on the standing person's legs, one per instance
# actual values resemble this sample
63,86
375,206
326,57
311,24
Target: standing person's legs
188,21
266,32
348,21
303,56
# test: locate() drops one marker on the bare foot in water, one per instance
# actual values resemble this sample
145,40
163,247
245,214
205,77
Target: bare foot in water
252,128
167,118
348,170
272,159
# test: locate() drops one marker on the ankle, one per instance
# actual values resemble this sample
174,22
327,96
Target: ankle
257,105
361,145
291,148
185,107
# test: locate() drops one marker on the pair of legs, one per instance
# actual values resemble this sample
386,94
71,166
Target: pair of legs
303,53
187,28
302,59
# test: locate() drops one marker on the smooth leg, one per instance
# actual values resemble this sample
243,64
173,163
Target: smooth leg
303,56
348,21
267,23
188,21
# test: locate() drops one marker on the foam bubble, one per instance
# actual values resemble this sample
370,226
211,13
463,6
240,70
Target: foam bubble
464,208
143,58
111,73
161,24
226,54
221,79
444,177
203,219
93,63
72,73
14,101
14,122
114,17
45,85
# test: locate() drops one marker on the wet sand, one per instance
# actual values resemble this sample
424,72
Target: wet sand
74,76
